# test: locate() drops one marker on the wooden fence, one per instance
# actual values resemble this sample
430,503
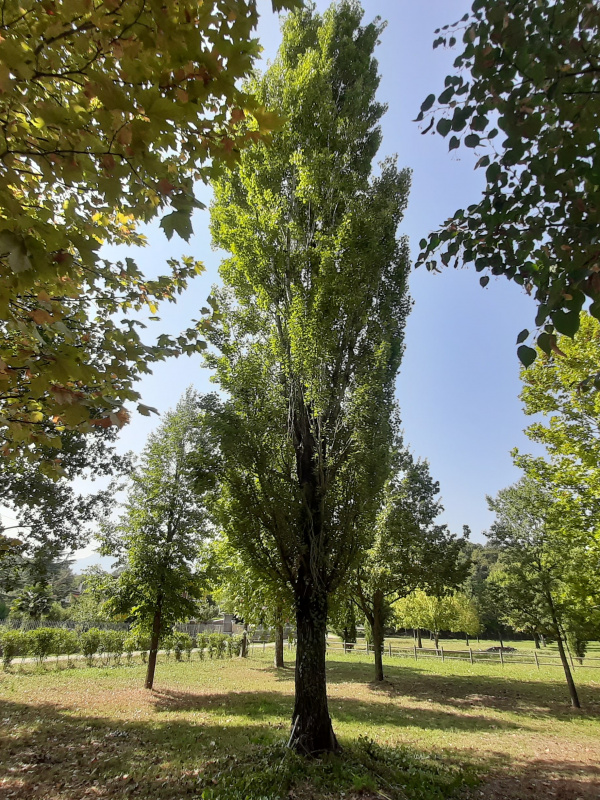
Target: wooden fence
537,657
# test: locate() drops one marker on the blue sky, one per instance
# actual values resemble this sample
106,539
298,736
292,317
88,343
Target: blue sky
459,382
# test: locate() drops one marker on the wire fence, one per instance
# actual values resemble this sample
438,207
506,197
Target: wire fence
539,659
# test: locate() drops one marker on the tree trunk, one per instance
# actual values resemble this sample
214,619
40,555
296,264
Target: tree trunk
501,640
244,645
563,656
154,640
312,732
377,628
467,638
436,639
419,640
279,646
536,639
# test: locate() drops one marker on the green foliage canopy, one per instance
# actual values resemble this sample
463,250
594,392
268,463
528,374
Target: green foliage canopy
526,94
110,111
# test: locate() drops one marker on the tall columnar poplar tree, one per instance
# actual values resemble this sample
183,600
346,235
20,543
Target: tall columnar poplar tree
311,336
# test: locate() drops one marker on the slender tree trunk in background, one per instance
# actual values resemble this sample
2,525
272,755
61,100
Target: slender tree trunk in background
377,628
419,640
279,646
436,639
563,656
536,639
500,638
154,640
543,640
312,732
467,638
244,647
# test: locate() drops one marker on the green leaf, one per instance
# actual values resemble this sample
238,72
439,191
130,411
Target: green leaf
178,222
428,102
472,140
566,322
527,355
454,143
522,336
484,280
443,127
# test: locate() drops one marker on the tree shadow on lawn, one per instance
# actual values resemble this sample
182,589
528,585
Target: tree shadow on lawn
540,779
534,698
57,753
260,705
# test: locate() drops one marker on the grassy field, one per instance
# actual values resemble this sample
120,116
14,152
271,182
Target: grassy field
217,729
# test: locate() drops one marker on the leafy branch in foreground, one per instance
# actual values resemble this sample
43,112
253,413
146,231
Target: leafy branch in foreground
109,113
525,94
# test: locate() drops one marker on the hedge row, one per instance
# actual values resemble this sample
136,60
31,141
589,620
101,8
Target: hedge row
107,646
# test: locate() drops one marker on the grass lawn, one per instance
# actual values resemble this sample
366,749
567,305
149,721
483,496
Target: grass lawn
217,729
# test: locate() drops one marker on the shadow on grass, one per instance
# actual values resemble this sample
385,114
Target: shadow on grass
48,752
260,705
499,692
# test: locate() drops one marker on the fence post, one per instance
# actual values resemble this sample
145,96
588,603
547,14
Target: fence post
416,653
442,652
344,643
501,657
264,646
537,663
390,648
471,654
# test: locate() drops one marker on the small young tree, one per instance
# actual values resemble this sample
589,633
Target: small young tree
34,601
435,614
467,616
409,550
158,537
239,589
537,557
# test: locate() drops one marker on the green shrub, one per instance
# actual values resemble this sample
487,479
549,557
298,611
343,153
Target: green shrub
201,642
112,643
182,643
167,643
143,645
90,643
217,644
14,643
210,645
69,643
130,645
41,643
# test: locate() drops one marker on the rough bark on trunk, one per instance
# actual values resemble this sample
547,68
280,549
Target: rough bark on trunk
279,646
563,656
377,627
154,640
312,732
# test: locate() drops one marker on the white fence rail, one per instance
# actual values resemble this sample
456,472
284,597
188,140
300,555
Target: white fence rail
537,658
